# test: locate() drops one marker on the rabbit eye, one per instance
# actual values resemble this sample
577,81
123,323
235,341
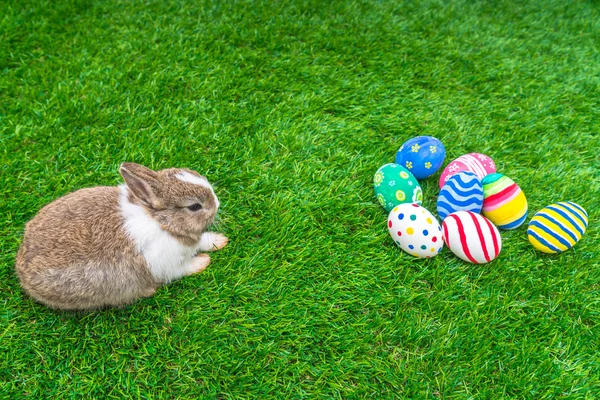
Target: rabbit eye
195,207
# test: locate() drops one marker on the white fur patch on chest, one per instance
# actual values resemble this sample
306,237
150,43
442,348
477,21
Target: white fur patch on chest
164,254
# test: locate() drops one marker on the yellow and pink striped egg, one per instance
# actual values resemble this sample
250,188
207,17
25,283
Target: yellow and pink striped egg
504,202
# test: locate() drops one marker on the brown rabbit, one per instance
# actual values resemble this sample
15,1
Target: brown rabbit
108,246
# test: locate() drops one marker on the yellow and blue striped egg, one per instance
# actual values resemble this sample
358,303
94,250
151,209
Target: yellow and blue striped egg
557,227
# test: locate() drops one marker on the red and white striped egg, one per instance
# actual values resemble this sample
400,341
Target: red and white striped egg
471,237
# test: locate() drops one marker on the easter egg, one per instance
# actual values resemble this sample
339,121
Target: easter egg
504,202
422,155
480,164
395,185
462,192
471,237
558,227
415,230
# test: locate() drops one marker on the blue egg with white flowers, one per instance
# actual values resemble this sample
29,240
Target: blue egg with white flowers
422,155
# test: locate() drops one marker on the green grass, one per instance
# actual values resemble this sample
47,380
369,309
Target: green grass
289,108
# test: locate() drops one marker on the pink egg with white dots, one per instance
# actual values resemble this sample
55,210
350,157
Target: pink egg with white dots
480,164
415,230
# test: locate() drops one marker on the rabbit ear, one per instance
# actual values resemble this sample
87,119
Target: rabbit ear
140,181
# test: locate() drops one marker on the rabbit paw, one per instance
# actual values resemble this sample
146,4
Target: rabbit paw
211,241
148,292
197,264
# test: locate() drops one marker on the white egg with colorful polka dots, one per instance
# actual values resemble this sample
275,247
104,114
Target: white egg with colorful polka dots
415,230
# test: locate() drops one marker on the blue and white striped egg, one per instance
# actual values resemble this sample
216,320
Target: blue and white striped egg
462,192
557,227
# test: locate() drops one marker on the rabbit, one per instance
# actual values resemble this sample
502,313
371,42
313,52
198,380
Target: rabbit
108,246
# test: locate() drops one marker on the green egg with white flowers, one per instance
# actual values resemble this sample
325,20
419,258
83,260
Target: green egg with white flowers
394,184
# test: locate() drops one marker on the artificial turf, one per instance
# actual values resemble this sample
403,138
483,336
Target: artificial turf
289,107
